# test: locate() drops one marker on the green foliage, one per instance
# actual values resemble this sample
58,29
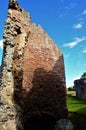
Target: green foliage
71,89
83,75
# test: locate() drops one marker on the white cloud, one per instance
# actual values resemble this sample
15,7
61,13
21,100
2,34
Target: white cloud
84,12
75,42
84,51
78,26
1,44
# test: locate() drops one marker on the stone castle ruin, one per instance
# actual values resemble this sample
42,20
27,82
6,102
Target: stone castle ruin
32,87
80,87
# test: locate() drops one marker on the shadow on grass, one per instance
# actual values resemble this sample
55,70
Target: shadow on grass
79,121
77,111
82,111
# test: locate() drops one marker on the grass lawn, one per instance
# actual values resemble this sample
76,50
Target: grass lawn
77,111
76,104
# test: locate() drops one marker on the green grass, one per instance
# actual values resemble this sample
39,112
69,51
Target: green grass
77,111
76,104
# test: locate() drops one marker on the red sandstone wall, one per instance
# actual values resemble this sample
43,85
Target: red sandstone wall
39,78
33,77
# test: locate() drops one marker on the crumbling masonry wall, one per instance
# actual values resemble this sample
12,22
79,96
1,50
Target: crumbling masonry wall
33,78
80,88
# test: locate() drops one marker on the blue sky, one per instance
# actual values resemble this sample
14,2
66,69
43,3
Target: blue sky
65,22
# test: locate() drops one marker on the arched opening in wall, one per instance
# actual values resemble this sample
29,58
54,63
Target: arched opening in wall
43,122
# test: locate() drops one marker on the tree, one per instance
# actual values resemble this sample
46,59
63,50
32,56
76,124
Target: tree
83,75
71,88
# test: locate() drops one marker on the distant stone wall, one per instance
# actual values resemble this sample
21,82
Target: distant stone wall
80,88
33,76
